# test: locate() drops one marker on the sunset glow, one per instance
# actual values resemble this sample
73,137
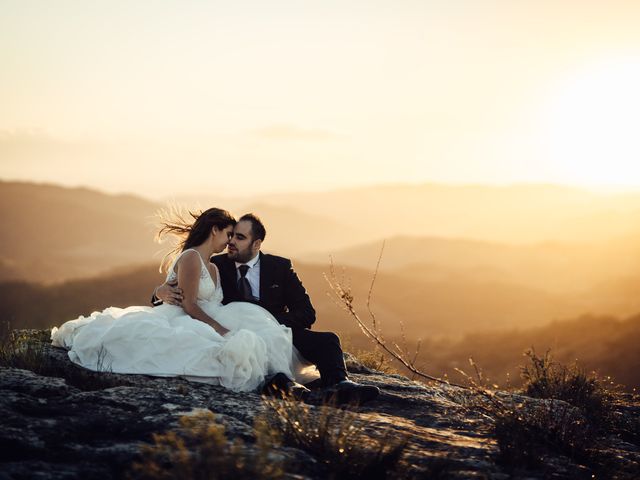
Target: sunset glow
165,98
593,125
431,206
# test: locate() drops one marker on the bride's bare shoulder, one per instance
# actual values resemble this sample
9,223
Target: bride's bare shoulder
189,259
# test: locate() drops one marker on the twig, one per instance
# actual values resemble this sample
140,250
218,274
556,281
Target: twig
373,280
346,299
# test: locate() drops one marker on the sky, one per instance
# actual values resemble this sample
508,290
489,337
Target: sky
167,97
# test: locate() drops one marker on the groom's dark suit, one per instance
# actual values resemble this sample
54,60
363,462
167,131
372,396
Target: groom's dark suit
282,294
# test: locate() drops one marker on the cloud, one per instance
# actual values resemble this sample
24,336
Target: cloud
289,132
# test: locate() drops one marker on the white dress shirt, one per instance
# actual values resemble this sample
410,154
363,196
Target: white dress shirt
253,275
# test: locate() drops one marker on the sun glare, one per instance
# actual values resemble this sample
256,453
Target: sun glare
593,126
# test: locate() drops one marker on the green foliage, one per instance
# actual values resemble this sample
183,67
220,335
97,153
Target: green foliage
338,439
201,450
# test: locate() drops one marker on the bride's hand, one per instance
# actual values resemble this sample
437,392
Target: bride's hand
222,331
170,293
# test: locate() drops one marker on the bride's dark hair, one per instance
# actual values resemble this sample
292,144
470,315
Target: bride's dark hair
191,232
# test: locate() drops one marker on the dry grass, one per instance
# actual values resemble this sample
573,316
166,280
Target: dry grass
28,350
374,360
201,450
337,438
574,416
526,434
545,378
20,350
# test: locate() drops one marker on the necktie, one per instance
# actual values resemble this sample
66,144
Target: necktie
244,287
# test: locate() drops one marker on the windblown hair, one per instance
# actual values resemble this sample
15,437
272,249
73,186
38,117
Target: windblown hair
190,232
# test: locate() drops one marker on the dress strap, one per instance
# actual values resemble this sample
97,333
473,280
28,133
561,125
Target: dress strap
173,265
194,250
204,270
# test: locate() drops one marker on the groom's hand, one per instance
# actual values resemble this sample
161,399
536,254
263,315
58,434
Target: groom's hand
170,293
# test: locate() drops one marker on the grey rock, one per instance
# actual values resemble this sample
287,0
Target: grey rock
66,423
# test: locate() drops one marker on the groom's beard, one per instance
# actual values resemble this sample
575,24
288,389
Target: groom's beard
240,257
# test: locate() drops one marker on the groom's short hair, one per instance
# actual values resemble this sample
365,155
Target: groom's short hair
258,232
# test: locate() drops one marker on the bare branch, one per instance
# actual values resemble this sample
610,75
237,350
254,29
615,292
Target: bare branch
373,280
415,355
346,299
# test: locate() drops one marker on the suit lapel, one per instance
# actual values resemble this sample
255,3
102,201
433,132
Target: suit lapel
229,278
229,281
266,278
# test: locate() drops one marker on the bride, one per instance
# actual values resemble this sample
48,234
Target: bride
234,345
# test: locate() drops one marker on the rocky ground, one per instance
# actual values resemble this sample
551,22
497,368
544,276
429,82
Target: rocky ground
76,424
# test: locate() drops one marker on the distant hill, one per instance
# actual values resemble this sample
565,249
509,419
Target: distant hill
32,305
552,267
603,344
428,308
525,214
52,233
455,322
292,233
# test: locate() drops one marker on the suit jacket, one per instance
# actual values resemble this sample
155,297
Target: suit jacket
281,291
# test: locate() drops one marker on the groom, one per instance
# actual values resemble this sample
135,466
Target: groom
248,275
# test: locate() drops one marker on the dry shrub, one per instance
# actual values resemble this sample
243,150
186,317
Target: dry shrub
545,378
19,349
374,360
526,434
338,438
576,416
201,450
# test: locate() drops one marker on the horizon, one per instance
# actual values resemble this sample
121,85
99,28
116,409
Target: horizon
452,183
601,191
189,97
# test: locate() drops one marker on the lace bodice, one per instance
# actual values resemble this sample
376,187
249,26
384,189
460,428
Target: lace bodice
208,289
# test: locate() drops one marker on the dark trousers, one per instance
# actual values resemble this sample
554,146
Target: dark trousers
324,351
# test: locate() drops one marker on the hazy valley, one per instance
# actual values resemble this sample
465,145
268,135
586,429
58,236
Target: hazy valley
67,252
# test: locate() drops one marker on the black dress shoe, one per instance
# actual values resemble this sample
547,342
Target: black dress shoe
348,392
298,391
282,386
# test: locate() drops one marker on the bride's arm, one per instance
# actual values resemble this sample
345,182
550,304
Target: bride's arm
188,268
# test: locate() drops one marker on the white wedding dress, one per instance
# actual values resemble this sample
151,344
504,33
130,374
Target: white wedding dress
165,341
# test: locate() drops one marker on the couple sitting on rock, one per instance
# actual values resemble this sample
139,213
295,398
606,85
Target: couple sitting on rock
241,320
